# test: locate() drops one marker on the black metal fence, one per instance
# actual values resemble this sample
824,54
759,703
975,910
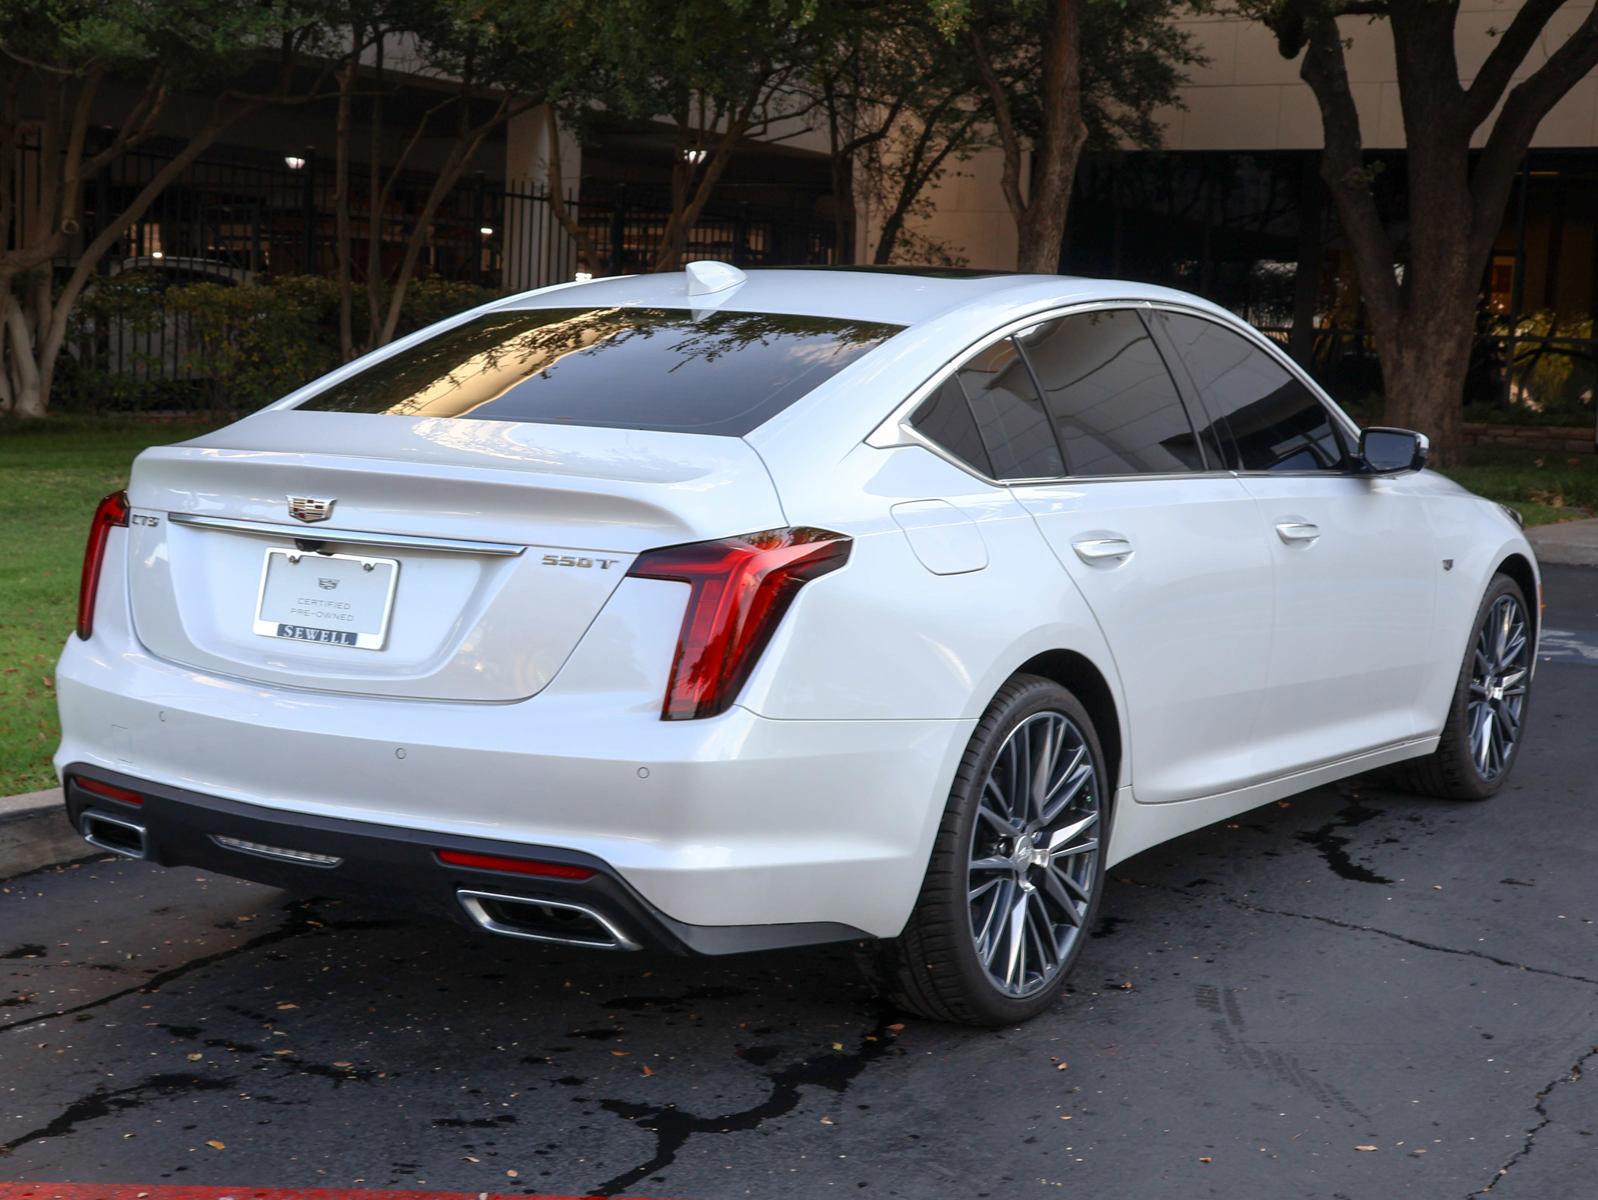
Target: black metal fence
265,218
233,221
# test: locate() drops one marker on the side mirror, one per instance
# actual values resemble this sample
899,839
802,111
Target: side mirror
1385,451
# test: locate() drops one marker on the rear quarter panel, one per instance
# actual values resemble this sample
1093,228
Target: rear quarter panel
885,637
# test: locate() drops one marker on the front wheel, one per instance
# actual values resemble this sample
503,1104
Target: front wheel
1487,715
1017,866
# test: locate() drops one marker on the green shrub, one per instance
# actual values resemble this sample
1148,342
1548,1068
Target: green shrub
216,347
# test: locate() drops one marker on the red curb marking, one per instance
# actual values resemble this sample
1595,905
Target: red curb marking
132,1191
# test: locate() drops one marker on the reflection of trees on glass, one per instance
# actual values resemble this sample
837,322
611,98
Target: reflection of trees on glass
617,367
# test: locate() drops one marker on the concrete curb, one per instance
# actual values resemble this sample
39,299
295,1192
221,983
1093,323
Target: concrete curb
1570,543
34,833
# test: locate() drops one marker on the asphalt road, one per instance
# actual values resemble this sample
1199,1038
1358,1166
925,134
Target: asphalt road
1355,994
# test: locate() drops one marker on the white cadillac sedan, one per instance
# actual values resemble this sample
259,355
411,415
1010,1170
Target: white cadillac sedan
718,612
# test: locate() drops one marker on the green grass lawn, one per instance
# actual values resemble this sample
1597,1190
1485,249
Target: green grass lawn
1544,487
52,474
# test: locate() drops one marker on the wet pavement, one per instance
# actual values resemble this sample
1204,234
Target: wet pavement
1355,993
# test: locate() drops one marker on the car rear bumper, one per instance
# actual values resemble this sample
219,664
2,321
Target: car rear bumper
735,821
404,868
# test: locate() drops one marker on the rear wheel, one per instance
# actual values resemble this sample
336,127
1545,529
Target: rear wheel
1486,718
1016,869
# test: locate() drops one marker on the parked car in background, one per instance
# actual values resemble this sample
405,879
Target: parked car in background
722,612
140,339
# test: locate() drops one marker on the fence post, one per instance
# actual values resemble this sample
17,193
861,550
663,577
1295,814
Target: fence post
740,235
308,267
479,238
618,231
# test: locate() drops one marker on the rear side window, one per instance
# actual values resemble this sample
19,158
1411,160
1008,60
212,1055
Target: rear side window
1111,396
1275,422
945,417
1009,415
988,414
620,368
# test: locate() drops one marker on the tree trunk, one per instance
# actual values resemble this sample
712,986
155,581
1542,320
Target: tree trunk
28,398
1425,326
1040,210
468,139
845,212
554,185
1307,278
1424,364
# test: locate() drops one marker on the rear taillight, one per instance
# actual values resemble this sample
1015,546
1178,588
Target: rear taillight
112,513
739,589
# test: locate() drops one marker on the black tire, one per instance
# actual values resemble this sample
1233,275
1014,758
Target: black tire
934,967
1452,772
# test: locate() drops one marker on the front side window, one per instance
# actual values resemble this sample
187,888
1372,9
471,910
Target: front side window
1274,421
621,368
1110,396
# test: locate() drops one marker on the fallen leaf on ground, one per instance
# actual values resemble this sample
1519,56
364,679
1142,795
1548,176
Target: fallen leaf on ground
826,1120
216,1145
1367,1149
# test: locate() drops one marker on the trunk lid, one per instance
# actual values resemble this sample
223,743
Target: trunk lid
490,545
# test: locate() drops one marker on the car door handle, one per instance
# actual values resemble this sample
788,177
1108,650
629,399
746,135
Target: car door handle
1297,531
1101,549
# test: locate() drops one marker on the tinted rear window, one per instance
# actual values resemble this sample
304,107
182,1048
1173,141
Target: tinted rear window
620,368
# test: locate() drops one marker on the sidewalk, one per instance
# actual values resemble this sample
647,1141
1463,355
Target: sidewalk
1572,543
35,832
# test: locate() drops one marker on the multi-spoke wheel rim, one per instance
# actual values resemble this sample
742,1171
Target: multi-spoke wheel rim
1034,853
1498,674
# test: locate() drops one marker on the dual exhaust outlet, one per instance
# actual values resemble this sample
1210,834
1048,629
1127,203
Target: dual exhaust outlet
557,921
116,834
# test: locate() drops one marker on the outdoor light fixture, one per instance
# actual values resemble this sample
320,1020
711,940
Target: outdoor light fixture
293,162
583,276
157,254
695,156
486,230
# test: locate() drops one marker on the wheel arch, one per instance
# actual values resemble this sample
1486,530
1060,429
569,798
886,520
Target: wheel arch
1082,678
1518,567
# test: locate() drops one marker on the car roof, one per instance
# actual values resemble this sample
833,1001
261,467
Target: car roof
895,295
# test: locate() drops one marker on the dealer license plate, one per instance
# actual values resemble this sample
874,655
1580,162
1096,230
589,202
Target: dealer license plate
337,599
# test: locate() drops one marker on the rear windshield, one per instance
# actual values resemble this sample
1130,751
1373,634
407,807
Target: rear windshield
621,368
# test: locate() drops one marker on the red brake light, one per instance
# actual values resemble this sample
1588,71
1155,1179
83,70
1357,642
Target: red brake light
741,586
112,512
108,790
521,866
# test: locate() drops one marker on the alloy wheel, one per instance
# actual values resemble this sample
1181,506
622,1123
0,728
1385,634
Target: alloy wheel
1498,677
1034,856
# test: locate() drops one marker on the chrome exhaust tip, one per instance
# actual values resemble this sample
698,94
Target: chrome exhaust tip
555,921
112,833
